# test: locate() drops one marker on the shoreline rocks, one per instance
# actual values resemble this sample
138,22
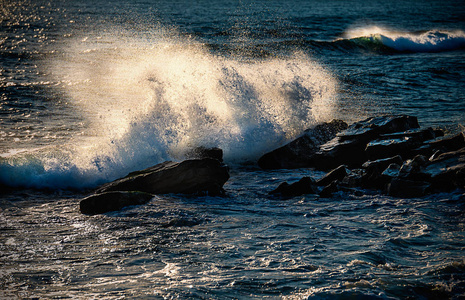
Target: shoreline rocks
391,154
388,154
299,152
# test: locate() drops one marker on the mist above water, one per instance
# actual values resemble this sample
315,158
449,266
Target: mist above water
150,98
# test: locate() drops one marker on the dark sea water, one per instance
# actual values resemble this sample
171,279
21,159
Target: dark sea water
92,90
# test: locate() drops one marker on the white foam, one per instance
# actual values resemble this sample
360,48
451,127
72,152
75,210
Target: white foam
151,98
429,41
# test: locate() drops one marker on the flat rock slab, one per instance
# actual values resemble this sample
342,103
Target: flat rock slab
186,177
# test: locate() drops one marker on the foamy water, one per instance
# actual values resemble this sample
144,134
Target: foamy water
146,101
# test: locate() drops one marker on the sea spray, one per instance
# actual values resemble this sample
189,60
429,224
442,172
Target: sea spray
147,100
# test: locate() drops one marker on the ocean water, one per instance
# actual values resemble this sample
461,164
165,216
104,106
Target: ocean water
92,90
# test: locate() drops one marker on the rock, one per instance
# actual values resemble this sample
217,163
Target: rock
187,177
338,152
349,146
411,167
301,187
336,174
373,127
330,189
111,201
400,187
447,170
391,171
353,178
203,152
443,144
297,153
399,143
373,176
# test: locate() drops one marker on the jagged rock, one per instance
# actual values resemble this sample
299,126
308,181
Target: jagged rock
301,187
187,177
399,143
447,170
353,178
336,174
443,144
111,201
373,127
297,153
400,187
373,176
349,146
391,171
203,152
411,167
330,189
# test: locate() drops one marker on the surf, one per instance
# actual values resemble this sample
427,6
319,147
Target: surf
424,41
147,98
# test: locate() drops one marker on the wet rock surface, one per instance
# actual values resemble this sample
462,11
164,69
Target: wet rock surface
196,176
299,152
391,154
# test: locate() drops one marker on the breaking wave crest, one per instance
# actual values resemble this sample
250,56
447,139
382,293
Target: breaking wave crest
152,98
427,41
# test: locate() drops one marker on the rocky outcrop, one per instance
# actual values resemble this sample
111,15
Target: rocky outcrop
349,146
298,153
187,177
196,176
390,154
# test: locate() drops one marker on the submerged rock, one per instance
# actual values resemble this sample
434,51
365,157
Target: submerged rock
298,153
111,201
187,177
304,186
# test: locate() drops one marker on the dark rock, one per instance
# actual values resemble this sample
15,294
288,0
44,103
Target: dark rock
446,171
330,189
417,134
391,171
399,143
301,187
111,201
297,153
381,164
373,176
400,187
202,152
187,177
336,174
349,146
443,144
388,147
354,178
371,128
412,167
337,152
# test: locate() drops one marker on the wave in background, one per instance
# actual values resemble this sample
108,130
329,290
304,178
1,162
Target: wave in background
151,98
428,41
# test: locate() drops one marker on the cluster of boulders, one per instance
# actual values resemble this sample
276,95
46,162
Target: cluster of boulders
389,153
